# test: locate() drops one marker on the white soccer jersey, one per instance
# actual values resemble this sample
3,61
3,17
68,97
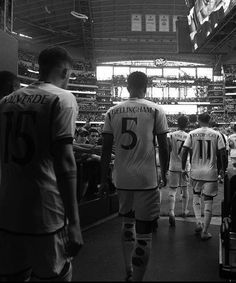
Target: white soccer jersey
32,119
204,143
132,124
177,140
232,145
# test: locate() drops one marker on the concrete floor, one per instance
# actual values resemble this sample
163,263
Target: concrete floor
177,253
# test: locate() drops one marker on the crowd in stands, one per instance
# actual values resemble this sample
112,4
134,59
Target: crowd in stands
28,61
98,117
93,107
172,100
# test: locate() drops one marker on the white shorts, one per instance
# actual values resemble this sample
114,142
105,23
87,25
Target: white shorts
205,187
44,255
145,204
176,180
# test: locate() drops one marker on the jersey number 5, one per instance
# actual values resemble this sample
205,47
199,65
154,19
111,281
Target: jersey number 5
19,135
124,130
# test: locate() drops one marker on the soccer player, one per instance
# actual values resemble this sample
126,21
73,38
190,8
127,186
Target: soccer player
132,125
204,143
176,140
39,220
232,146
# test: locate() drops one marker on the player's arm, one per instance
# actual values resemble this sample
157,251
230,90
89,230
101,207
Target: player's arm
87,148
163,155
185,152
170,149
66,174
106,159
224,159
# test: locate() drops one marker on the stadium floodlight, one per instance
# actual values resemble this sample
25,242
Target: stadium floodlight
79,16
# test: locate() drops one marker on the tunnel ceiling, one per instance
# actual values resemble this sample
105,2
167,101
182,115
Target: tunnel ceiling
106,35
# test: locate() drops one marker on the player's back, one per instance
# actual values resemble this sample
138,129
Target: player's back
176,139
133,123
28,128
205,143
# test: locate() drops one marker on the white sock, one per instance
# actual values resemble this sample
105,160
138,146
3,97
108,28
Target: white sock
197,207
141,255
185,199
172,194
207,214
128,236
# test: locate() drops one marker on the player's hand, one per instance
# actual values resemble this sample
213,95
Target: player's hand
103,189
222,173
185,176
163,181
225,224
75,238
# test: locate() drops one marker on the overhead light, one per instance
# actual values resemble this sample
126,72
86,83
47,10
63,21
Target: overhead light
24,35
78,15
32,71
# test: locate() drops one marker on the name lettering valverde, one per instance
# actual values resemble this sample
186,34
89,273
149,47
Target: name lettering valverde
27,99
134,109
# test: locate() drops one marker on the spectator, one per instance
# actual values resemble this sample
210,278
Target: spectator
39,218
81,135
93,136
8,83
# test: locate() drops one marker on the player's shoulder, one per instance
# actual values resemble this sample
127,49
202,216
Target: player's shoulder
53,91
194,131
151,104
117,106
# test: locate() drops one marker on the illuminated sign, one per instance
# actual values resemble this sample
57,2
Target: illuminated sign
205,16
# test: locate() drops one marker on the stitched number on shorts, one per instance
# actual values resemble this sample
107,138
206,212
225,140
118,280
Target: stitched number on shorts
181,146
19,135
124,130
207,144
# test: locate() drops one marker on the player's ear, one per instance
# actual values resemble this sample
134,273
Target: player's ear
64,73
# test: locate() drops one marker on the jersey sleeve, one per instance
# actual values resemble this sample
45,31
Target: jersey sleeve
188,141
63,119
161,126
220,142
107,127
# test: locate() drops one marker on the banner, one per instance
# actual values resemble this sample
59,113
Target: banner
164,23
136,22
150,22
175,18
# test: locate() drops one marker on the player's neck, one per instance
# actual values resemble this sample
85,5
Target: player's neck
203,125
137,94
51,80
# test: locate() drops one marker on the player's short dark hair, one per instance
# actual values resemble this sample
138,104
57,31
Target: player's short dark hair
8,82
204,117
182,121
52,57
137,80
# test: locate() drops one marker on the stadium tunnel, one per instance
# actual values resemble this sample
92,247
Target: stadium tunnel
189,56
